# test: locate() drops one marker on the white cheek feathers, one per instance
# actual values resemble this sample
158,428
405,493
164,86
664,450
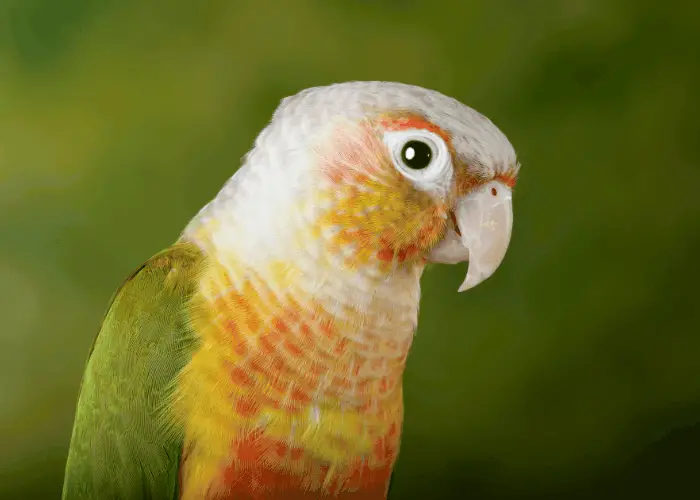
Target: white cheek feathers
423,158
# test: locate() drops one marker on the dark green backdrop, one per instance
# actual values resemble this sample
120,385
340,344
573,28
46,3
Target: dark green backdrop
120,119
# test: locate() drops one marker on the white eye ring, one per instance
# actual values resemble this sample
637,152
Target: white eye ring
438,170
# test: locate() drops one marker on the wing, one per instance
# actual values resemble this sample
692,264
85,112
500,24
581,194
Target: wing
124,445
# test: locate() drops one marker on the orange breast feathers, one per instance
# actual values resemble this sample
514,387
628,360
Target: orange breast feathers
284,398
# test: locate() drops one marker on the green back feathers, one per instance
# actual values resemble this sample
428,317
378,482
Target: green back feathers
124,445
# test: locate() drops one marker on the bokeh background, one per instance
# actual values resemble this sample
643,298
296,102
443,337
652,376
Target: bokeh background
573,373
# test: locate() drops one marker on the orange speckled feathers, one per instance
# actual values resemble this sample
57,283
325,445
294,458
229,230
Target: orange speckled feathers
284,396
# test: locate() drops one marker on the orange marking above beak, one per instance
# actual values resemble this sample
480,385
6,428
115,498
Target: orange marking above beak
507,178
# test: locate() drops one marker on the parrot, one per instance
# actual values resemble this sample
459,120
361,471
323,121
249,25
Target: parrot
261,355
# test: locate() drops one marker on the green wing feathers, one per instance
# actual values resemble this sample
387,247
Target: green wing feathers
124,445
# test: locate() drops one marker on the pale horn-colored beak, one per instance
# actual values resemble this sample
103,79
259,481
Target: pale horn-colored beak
484,221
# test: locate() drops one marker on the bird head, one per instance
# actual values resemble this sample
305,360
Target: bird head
370,177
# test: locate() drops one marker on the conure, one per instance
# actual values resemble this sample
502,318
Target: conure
261,356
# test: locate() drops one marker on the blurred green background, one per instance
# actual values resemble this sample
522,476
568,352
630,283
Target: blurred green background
557,377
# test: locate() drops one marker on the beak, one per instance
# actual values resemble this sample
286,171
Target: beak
483,224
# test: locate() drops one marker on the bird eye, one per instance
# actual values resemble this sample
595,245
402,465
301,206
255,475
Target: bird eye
421,156
416,154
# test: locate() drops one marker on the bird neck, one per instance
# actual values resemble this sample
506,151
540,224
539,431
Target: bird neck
299,348
322,333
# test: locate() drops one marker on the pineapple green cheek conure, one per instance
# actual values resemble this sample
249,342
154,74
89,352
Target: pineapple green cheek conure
261,356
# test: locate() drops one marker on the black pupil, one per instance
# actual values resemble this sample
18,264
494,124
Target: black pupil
416,154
